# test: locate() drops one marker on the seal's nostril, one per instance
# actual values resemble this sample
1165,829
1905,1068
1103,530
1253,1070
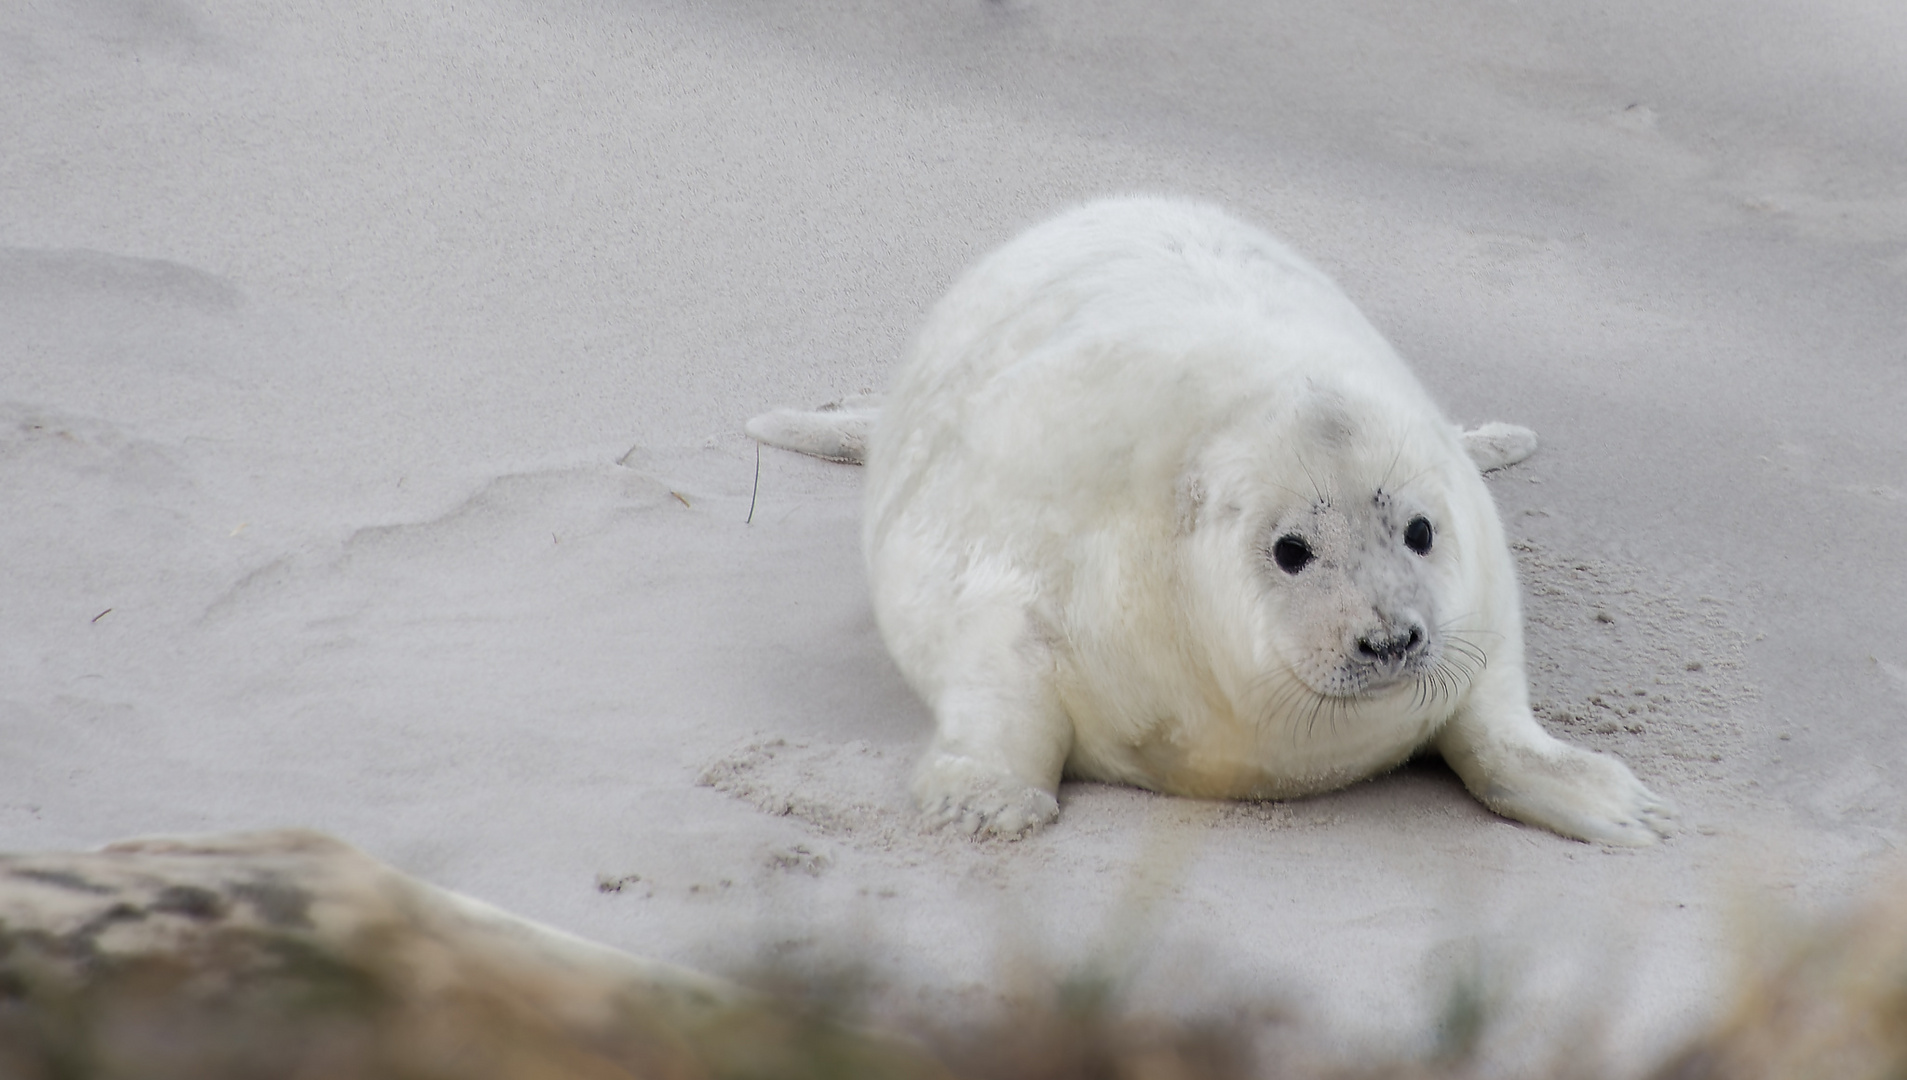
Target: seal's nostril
1395,647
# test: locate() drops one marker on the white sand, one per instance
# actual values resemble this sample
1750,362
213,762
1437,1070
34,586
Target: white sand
324,327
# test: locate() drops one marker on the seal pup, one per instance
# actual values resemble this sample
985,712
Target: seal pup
1152,503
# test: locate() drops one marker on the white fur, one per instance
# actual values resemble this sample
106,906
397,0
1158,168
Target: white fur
1073,493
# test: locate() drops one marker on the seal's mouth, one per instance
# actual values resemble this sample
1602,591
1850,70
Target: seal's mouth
1405,666
1362,678
1435,666
1379,660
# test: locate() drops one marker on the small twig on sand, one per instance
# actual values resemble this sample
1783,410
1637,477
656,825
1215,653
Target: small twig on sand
679,497
751,495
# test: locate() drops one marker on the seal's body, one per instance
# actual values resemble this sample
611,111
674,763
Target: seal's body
1151,502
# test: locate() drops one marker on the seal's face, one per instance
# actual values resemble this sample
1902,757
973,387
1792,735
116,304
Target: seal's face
1354,576
1346,526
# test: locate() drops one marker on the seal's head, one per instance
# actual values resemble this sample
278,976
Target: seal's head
1352,544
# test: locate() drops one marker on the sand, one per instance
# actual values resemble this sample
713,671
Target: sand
372,380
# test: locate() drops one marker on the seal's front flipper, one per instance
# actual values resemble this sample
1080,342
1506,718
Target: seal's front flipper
1495,445
1001,738
1514,767
836,431
1001,734
978,799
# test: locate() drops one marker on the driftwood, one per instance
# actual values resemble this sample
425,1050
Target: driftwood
291,955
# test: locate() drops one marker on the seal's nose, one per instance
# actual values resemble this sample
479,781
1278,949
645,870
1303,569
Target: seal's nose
1393,648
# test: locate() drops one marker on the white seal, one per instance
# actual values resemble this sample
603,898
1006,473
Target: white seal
1152,503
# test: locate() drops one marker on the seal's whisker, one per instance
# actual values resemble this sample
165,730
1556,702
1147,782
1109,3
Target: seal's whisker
1465,636
1291,491
1458,641
1392,467
1319,491
1462,643
1286,706
1450,625
1280,693
1416,476
1279,687
1468,650
1452,677
1311,725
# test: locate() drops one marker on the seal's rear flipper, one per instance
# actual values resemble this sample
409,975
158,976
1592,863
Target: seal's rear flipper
1495,445
836,431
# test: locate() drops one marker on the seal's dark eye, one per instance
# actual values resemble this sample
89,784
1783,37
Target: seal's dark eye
1292,553
1417,535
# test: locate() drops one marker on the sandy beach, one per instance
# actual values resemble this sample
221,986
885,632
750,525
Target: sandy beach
372,381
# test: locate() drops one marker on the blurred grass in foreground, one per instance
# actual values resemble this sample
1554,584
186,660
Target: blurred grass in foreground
292,956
